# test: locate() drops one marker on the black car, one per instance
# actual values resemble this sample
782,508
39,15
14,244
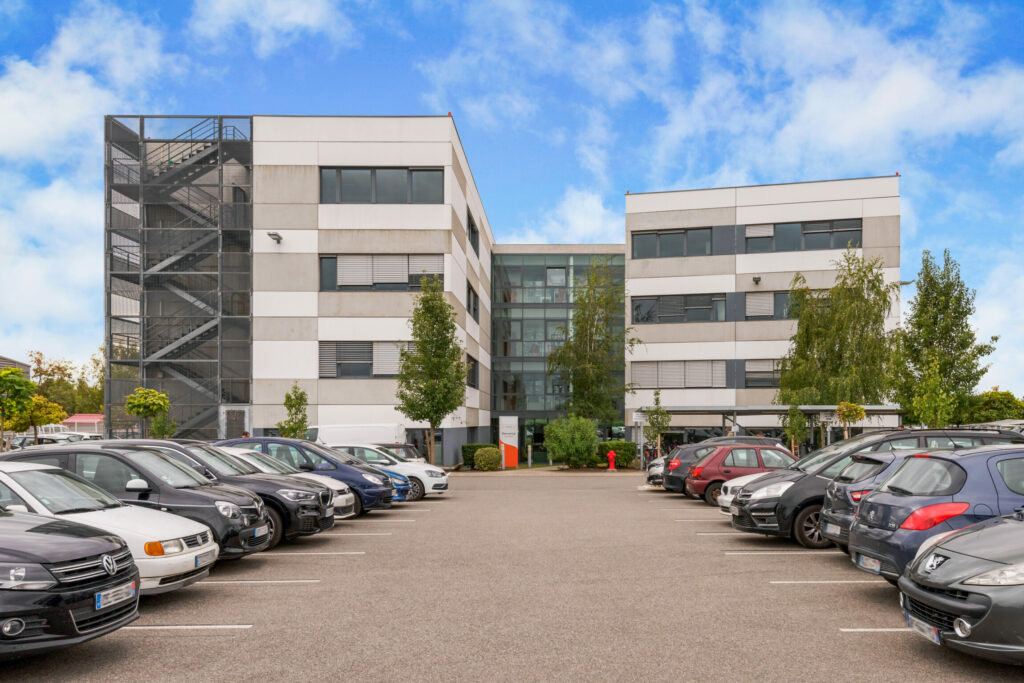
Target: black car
61,583
677,463
965,590
788,502
237,518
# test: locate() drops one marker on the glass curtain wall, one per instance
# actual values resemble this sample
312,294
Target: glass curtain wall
178,266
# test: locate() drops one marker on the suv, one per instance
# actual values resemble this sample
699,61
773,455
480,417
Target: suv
61,583
678,461
788,503
705,477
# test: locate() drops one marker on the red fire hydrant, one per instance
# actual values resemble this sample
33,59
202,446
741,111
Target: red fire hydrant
611,460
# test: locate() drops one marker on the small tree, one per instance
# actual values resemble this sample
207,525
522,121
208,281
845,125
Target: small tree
796,428
933,405
849,413
295,425
994,405
163,426
40,411
432,370
573,440
146,404
15,397
657,423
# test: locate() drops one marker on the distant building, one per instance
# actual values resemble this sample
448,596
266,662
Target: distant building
89,423
6,362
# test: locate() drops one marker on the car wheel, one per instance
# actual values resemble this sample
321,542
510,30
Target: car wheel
416,490
806,528
357,506
845,549
712,492
276,527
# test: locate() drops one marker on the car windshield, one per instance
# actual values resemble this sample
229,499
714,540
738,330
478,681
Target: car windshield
391,451
859,470
266,464
923,476
62,492
221,463
818,458
342,456
166,469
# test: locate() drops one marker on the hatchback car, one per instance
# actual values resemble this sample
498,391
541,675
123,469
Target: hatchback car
406,451
930,493
704,478
61,583
170,552
423,478
677,462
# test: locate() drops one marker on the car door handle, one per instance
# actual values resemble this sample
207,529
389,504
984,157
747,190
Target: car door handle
727,471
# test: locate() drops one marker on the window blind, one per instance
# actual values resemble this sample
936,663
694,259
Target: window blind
760,304
429,264
355,270
328,359
761,230
645,375
698,373
670,374
760,366
390,268
385,358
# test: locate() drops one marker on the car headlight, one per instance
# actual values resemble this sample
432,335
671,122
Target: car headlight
25,577
397,482
1012,575
171,547
229,510
931,542
771,491
373,479
296,495
437,474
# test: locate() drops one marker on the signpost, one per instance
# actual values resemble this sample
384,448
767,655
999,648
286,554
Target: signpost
508,440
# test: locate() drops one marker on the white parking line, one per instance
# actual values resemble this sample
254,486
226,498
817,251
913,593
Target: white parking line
874,630
351,552
184,627
209,581
378,520
720,533
783,552
408,509
692,509
709,519
359,533
801,583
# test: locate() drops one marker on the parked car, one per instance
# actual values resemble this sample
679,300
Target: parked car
56,587
681,457
655,471
400,482
372,487
930,493
732,487
868,469
344,499
965,589
405,451
705,477
423,478
236,516
170,552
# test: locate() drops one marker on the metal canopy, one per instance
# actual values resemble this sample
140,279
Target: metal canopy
771,410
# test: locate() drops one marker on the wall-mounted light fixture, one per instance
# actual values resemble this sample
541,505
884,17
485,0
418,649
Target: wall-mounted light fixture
276,236
757,278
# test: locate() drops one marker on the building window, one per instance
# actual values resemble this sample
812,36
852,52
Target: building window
472,303
761,373
807,236
378,272
678,374
768,306
381,186
679,308
672,244
473,233
348,359
472,371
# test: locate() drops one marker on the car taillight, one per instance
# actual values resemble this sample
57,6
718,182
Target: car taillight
929,516
921,455
857,495
696,472
672,464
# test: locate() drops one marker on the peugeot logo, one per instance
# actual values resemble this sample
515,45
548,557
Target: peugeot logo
934,562
109,564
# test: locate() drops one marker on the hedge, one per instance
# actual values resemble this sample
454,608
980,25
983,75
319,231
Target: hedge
573,440
487,459
625,452
469,450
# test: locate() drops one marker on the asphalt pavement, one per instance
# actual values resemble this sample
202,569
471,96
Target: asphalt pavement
534,576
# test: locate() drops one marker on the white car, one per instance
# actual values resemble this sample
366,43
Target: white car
732,487
171,552
423,478
344,499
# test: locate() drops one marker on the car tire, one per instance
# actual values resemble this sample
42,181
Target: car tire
276,527
807,531
711,493
416,490
845,548
357,506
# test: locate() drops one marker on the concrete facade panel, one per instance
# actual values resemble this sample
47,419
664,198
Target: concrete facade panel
789,261
286,273
695,284
272,391
785,213
284,329
765,330
283,305
292,242
285,360
365,304
683,397
755,397
286,184
828,190
383,241
357,392
777,282
389,153
683,351
297,129
886,206
890,255
668,220
687,199
762,349
284,154
361,413
674,267
364,329
686,332
881,231
384,217
284,216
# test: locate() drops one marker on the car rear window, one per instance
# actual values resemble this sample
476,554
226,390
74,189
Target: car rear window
860,469
707,456
1012,472
926,477
836,467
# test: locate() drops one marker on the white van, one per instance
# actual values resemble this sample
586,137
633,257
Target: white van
376,433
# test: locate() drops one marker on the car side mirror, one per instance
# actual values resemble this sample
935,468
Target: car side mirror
209,475
136,485
306,467
17,507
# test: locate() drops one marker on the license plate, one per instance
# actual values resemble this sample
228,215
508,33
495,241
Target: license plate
869,563
260,531
329,512
923,629
205,558
734,511
115,595
832,529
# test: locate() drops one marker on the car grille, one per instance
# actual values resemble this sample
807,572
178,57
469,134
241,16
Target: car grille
743,496
87,619
325,498
254,541
308,523
326,523
743,522
387,497
251,514
197,540
86,569
948,592
934,616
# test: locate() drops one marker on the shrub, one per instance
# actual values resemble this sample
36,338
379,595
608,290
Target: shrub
572,440
470,449
625,452
487,459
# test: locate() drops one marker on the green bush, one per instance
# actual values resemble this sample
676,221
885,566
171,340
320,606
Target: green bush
573,440
487,459
470,449
625,452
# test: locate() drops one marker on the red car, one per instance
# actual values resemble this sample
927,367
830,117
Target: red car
706,476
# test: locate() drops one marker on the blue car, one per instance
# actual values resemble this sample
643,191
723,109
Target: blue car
374,489
928,494
401,484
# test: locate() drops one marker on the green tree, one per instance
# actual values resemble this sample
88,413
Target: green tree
295,425
794,425
146,404
657,421
572,440
432,370
163,426
932,404
40,411
15,396
937,327
848,413
589,361
78,389
994,405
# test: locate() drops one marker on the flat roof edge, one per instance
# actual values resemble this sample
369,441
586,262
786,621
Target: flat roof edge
740,187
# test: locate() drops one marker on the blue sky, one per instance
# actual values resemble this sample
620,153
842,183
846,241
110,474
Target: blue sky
562,108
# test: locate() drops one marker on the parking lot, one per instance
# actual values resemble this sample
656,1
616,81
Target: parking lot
525,576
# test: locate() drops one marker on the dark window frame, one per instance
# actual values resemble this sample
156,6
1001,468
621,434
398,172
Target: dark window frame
472,372
472,232
685,233
472,302
338,190
657,315
752,245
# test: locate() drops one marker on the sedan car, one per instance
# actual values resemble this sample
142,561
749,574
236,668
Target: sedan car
56,587
406,451
964,590
704,478
423,478
170,552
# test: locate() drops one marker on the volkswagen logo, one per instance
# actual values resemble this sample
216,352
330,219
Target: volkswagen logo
934,562
109,564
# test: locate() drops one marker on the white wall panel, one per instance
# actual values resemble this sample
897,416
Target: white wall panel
472,397
784,213
353,128
485,358
679,201
762,349
284,154
830,190
292,242
684,351
455,277
284,304
384,216
789,261
285,360
693,284
883,206
363,329
362,414
683,397
384,153
456,419
472,328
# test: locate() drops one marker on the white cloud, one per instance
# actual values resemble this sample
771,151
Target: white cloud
579,217
994,317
